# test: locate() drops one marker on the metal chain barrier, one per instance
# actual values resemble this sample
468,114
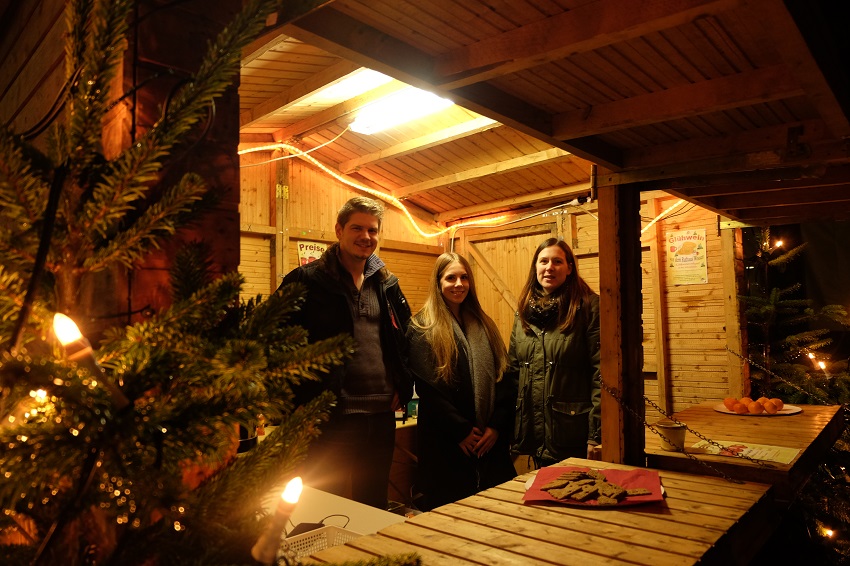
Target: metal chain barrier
690,456
703,437
780,378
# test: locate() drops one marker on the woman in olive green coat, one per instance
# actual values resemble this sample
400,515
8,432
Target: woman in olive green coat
554,359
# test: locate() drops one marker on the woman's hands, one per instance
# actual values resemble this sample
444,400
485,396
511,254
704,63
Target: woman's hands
479,443
468,444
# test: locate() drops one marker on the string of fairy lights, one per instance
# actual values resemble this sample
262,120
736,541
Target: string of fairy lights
492,222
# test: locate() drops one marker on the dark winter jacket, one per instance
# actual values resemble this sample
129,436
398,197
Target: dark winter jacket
446,416
557,375
325,313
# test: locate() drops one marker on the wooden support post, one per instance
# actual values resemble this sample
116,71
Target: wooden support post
732,268
658,256
279,190
620,320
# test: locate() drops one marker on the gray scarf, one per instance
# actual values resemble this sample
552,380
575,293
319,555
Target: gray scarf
482,367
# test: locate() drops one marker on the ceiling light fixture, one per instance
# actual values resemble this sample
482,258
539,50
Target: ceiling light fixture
396,109
353,85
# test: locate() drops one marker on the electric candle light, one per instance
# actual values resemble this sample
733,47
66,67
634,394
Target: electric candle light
78,349
265,551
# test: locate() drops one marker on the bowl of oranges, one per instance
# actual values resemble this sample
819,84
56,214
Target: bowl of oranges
761,407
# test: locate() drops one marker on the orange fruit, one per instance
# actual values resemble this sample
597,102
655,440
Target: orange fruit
746,400
762,400
755,408
729,402
740,408
770,407
778,402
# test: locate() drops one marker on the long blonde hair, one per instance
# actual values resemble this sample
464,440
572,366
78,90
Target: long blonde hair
435,320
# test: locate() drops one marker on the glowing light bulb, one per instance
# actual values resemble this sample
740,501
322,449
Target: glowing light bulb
293,490
65,329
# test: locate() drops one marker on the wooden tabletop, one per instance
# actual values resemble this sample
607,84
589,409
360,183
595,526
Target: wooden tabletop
812,431
702,518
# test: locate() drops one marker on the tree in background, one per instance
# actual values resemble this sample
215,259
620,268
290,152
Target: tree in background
127,455
787,342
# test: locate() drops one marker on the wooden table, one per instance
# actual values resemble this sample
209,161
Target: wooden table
812,431
702,518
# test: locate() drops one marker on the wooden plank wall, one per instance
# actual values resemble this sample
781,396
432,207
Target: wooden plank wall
33,71
284,202
685,357
689,361
255,264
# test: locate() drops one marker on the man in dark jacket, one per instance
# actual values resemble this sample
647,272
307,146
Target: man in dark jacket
349,290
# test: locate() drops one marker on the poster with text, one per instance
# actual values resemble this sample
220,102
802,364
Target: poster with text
310,251
686,257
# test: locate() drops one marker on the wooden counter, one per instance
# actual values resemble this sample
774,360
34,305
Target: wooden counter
702,518
813,431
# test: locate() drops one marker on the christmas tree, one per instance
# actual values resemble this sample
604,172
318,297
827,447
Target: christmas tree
126,454
788,343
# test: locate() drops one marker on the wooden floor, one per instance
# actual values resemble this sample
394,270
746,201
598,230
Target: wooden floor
702,519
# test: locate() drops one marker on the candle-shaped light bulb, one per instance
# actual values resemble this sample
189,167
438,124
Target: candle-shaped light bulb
266,549
822,365
78,349
811,356
65,329
778,244
292,491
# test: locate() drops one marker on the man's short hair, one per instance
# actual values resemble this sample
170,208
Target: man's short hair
360,204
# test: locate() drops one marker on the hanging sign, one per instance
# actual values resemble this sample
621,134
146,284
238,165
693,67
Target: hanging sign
310,251
686,257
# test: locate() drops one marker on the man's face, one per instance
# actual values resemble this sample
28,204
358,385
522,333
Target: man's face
359,237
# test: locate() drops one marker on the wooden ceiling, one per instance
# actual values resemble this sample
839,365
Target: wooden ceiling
740,105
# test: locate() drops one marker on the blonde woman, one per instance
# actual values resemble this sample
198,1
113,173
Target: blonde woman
466,410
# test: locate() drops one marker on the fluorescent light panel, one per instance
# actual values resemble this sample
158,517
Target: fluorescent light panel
396,109
353,85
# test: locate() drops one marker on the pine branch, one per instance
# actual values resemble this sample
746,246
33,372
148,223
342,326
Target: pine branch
160,219
190,271
23,190
139,164
268,316
106,24
787,257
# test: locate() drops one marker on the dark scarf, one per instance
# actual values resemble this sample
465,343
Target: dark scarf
542,310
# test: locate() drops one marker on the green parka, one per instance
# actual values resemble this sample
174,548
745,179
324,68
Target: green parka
558,403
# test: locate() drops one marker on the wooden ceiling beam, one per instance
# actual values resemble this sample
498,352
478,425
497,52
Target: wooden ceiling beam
821,154
539,197
763,181
272,35
497,168
792,214
579,30
785,197
338,112
734,91
794,36
350,39
791,137
446,135
296,93
342,35
518,114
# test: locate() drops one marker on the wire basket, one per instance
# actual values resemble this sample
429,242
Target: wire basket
318,539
